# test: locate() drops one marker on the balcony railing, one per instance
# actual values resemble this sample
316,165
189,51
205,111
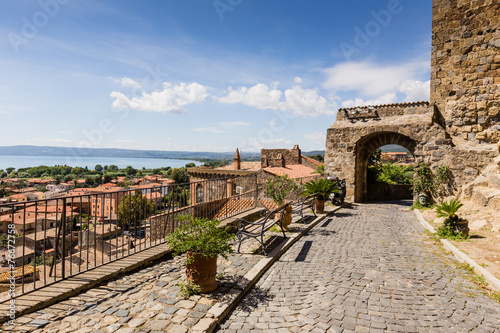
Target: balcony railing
45,241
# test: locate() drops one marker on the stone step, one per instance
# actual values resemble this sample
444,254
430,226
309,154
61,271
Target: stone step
486,197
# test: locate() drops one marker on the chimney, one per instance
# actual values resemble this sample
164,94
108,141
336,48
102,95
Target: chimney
297,154
237,160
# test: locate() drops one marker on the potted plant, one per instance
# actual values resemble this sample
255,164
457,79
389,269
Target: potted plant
423,184
278,188
453,225
322,187
202,240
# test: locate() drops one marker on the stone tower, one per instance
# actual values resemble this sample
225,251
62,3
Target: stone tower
465,69
460,127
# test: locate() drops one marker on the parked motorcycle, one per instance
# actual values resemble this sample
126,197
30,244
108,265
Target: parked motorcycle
338,198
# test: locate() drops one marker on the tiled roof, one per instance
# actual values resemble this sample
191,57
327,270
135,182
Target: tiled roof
312,160
254,166
293,171
233,206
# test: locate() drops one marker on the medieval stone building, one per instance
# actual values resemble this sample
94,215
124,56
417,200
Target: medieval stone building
459,127
273,162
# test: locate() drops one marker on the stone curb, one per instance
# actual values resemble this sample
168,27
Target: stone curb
462,257
221,309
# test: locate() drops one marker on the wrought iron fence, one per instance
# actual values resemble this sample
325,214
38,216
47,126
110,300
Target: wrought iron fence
45,241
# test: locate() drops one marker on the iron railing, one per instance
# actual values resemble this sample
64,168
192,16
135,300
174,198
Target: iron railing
49,240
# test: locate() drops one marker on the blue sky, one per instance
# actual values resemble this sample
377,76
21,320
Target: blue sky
203,75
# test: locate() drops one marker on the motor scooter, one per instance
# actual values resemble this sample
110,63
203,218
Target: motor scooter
338,198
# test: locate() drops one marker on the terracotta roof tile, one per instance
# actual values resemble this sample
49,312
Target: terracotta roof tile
244,166
293,171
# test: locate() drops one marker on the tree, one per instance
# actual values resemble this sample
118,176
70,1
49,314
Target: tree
134,208
319,158
180,176
112,167
130,171
320,170
190,165
9,170
375,157
98,168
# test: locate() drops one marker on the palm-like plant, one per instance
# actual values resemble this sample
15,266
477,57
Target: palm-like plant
449,209
322,187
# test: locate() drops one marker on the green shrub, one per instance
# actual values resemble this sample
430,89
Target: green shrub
200,236
277,188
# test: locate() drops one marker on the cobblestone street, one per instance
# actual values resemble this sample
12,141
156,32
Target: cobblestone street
367,269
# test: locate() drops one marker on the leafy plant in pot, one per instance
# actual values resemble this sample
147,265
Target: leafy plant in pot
453,226
202,240
278,188
423,184
322,187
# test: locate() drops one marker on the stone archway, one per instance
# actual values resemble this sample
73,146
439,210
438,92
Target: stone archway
364,147
357,132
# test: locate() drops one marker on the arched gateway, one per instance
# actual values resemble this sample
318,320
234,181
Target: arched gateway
357,132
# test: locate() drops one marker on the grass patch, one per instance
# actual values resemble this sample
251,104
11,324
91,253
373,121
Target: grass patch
479,280
417,205
188,288
447,231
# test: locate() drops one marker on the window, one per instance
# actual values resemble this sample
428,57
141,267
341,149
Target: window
199,193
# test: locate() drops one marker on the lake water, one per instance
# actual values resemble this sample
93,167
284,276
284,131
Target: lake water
7,161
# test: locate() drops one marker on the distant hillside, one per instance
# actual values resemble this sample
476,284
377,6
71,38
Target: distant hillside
393,149
126,153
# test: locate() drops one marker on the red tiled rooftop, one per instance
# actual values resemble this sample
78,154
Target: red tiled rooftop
254,166
293,171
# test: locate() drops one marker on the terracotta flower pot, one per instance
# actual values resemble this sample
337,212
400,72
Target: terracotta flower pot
320,206
202,272
287,218
462,226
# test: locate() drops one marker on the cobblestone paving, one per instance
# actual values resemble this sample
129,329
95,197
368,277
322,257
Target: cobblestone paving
368,269
148,300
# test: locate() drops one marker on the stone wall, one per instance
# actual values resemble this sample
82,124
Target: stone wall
460,127
465,69
276,157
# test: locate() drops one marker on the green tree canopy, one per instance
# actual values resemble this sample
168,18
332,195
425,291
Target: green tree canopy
98,168
134,208
180,176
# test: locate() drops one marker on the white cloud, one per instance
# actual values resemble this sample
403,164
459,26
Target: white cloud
307,102
370,78
127,82
316,137
416,91
260,96
384,99
171,99
222,127
298,101
255,144
298,80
